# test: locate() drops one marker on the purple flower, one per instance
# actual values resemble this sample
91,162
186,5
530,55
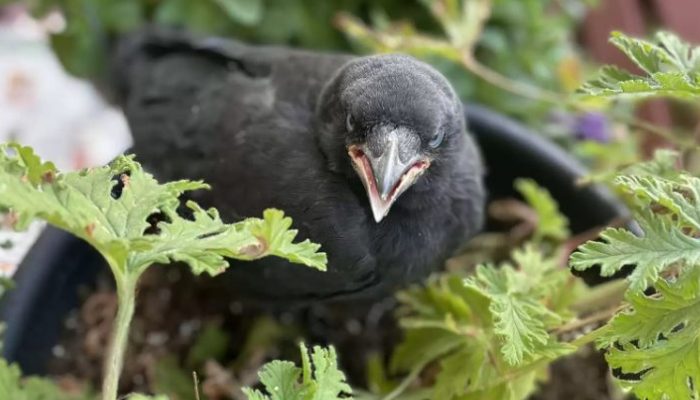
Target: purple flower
592,126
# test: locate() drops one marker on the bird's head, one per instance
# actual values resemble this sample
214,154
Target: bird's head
389,119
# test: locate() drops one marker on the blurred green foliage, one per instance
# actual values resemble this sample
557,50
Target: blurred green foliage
92,24
527,40
530,41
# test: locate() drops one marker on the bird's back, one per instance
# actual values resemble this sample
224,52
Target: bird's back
181,94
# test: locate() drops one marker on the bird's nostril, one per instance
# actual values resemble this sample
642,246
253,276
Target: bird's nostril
421,164
357,152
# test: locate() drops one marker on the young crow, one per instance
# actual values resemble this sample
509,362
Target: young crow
369,155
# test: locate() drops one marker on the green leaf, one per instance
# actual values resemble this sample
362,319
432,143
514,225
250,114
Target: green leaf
422,346
211,344
170,379
655,344
254,394
454,379
551,223
662,165
488,328
329,380
13,386
678,196
667,237
661,246
517,321
318,379
280,378
520,317
246,12
672,68
646,55
109,207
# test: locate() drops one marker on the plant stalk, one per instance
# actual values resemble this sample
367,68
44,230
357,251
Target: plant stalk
602,297
126,298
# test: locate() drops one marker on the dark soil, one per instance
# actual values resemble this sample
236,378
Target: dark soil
174,309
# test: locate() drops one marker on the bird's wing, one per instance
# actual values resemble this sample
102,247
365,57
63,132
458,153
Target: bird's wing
177,90
240,117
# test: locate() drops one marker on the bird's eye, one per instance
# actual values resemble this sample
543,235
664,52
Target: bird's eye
350,123
437,139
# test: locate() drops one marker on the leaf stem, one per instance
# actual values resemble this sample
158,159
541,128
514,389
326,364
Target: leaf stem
404,383
602,296
126,297
519,88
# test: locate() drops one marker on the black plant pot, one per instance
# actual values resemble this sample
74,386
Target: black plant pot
58,264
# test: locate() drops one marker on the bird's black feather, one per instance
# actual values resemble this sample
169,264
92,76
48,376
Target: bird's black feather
265,126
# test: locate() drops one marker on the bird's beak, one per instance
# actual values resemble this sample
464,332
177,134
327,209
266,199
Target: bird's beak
388,164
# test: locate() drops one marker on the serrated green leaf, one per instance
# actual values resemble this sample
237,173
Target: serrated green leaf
318,379
655,344
329,380
671,67
678,196
517,320
280,379
646,55
254,394
538,274
468,330
551,223
519,315
681,54
665,241
109,207
661,246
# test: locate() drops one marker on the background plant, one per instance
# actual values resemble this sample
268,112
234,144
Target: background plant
528,41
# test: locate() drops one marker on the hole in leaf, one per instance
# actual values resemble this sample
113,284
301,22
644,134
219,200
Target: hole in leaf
659,209
121,181
678,327
629,376
650,291
685,192
618,346
7,245
691,386
183,211
153,221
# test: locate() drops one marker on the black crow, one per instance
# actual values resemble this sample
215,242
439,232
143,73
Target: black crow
369,155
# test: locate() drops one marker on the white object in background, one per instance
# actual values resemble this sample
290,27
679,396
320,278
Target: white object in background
63,118
15,245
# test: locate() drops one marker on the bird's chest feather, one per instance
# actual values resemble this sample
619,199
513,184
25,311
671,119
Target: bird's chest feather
417,241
